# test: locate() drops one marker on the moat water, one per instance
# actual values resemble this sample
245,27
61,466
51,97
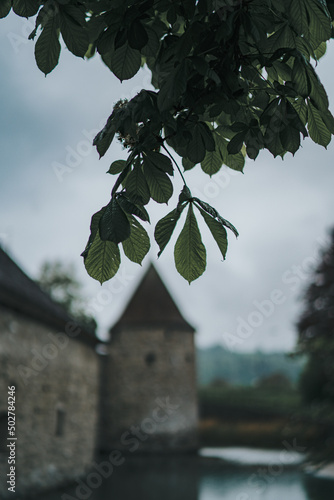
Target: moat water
249,475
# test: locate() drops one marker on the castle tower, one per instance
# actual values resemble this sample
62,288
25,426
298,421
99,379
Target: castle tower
149,402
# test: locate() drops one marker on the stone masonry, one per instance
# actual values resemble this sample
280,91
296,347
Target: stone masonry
56,403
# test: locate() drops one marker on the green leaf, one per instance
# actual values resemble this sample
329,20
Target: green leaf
283,38
47,48
187,164
105,41
125,62
138,244
235,144
160,161
5,7
25,8
121,179
101,258
212,162
207,137
283,70
328,120
300,78
318,93
320,51
184,196
172,87
273,143
320,22
318,131
165,227
304,46
215,215
131,208
217,230
76,12
298,15
184,44
300,107
94,228
137,35
153,44
196,147
104,138
252,150
136,186
116,167
160,186
74,35
290,139
114,224
189,251
234,161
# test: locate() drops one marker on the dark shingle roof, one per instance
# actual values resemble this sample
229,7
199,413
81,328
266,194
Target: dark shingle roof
19,293
151,305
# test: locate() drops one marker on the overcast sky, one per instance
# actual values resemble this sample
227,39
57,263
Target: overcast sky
282,209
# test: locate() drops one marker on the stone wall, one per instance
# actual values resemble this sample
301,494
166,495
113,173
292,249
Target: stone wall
56,380
150,401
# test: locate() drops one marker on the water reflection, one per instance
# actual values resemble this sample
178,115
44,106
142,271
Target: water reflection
240,485
196,478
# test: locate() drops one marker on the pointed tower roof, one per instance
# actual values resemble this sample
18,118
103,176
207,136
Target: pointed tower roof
152,305
20,293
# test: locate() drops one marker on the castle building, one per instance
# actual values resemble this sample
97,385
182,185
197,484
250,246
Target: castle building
150,401
71,402
52,364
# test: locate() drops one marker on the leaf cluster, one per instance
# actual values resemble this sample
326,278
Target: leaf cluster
231,78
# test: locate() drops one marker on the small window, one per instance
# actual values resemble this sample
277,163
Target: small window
3,432
60,421
150,358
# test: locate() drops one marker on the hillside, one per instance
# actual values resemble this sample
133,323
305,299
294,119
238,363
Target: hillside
218,364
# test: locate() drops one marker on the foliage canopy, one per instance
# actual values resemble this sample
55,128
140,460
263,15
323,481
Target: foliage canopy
59,280
231,77
315,340
315,331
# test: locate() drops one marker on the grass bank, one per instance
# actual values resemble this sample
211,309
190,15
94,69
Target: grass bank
257,417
